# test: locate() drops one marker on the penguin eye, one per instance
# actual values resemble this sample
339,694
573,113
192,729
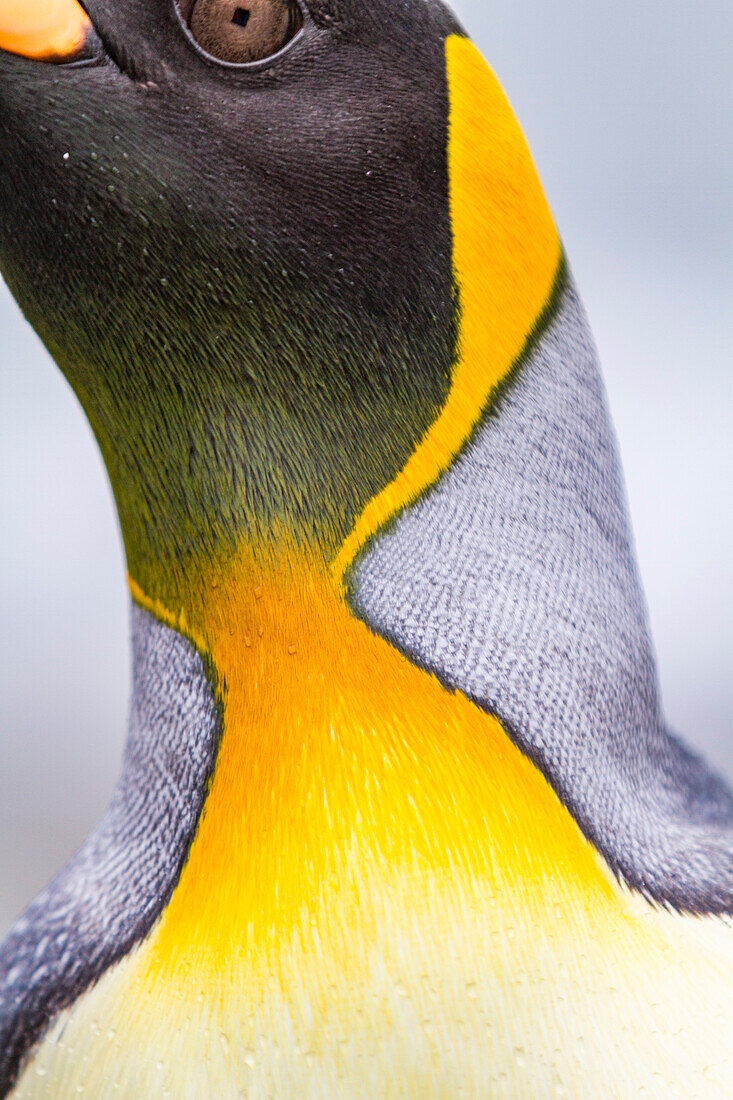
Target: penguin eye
242,31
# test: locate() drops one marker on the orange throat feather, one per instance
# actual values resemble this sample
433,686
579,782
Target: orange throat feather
341,766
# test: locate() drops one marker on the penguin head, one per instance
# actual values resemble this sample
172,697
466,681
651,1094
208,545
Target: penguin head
230,226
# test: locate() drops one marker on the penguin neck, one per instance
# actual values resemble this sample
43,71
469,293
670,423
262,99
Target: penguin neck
330,770
207,470
253,472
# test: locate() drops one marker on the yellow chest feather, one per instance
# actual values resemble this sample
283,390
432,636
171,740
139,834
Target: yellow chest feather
385,898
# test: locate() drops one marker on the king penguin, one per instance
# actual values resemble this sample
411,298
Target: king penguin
399,815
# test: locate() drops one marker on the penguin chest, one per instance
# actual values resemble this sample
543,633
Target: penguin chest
439,992
386,899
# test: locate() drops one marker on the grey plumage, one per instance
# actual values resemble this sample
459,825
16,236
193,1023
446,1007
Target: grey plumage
111,893
514,581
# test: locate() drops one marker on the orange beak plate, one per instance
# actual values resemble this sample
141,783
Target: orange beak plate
44,30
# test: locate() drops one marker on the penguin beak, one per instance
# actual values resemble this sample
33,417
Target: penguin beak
43,30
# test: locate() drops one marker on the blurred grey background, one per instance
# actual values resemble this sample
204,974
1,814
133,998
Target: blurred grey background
627,107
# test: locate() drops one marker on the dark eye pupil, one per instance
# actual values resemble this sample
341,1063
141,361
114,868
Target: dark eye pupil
241,17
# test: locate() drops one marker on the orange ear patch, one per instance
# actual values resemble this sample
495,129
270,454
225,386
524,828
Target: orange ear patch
506,258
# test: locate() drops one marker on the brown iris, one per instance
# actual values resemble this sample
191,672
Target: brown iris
242,32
